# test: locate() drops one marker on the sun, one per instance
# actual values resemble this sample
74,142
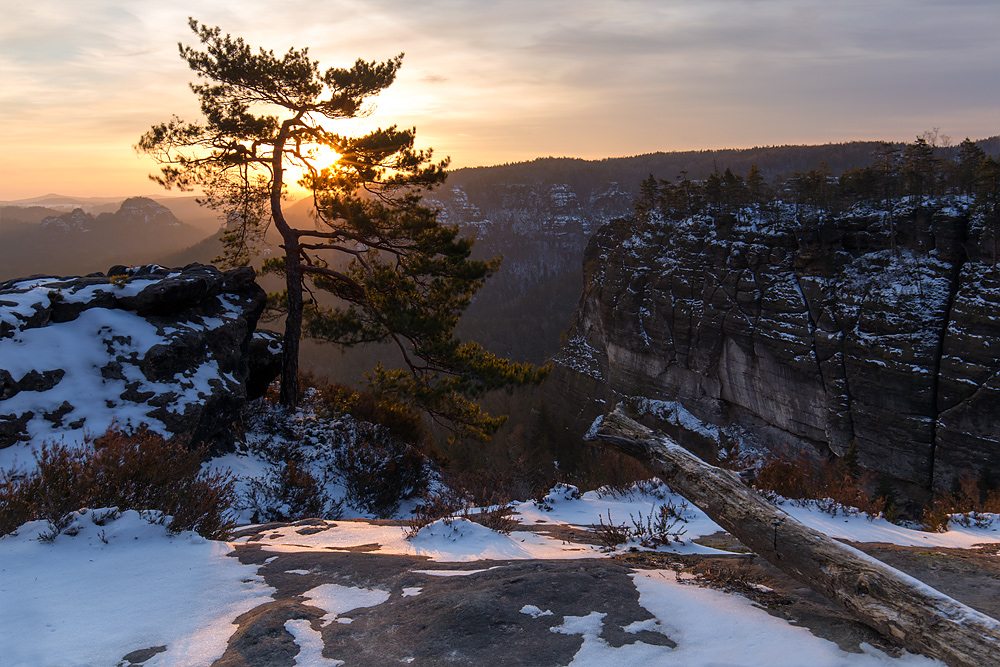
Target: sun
319,157
322,156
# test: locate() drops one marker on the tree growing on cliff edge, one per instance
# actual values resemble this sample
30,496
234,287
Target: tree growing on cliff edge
399,275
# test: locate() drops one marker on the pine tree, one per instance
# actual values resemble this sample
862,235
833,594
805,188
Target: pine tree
886,163
733,190
757,190
970,157
713,191
648,200
920,168
988,199
400,276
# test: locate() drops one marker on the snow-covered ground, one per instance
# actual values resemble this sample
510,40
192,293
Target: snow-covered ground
98,592
107,586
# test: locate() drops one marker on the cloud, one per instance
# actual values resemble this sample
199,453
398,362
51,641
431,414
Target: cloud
512,79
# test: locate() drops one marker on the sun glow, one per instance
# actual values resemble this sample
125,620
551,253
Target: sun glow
318,156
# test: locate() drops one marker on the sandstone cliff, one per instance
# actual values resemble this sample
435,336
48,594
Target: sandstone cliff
164,348
789,330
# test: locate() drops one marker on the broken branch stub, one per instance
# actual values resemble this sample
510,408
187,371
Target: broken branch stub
915,615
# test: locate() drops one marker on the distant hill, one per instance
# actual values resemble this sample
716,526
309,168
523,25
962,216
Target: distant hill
40,240
539,215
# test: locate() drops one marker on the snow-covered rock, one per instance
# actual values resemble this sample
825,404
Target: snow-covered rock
164,348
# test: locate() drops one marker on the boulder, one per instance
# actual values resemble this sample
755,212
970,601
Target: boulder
167,349
265,362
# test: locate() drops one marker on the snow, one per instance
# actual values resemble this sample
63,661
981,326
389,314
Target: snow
863,529
453,573
674,413
534,612
93,399
444,541
458,540
335,599
97,592
310,644
578,355
78,601
714,628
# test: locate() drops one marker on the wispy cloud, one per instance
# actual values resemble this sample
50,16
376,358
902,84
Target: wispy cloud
512,79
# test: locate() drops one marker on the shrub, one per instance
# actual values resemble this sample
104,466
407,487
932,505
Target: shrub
290,492
442,504
661,527
497,514
338,399
834,485
138,471
607,468
378,470
972,502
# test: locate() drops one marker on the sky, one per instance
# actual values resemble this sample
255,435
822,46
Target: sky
508,80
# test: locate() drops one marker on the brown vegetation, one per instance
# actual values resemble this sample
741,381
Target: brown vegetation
138,471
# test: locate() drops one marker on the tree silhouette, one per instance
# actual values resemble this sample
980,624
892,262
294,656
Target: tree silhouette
399,275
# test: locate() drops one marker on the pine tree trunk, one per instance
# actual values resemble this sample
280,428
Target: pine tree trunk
898,606
289,394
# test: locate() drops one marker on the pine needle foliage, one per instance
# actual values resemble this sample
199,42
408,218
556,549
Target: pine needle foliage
393,271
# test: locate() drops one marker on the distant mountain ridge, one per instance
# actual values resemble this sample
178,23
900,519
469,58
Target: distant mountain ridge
539,215
80,242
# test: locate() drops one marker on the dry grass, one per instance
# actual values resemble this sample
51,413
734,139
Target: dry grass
971,502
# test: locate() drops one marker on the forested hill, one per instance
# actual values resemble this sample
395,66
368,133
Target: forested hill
587,176
539,215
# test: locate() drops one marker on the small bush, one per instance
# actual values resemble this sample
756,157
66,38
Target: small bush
289,492
973,501
378,470
139,471
661,527
445,503
338,399
510,480
612,534
497,514
834,486
607,468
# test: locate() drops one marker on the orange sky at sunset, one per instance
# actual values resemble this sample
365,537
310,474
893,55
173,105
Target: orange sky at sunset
512,80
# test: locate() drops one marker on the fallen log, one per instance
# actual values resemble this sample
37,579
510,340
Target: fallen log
895,604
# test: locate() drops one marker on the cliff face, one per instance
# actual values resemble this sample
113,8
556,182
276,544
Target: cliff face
790,331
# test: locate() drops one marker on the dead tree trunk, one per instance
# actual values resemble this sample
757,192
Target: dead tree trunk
917,616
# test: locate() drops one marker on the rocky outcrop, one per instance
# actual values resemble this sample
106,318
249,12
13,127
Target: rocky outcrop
791,330
165,348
